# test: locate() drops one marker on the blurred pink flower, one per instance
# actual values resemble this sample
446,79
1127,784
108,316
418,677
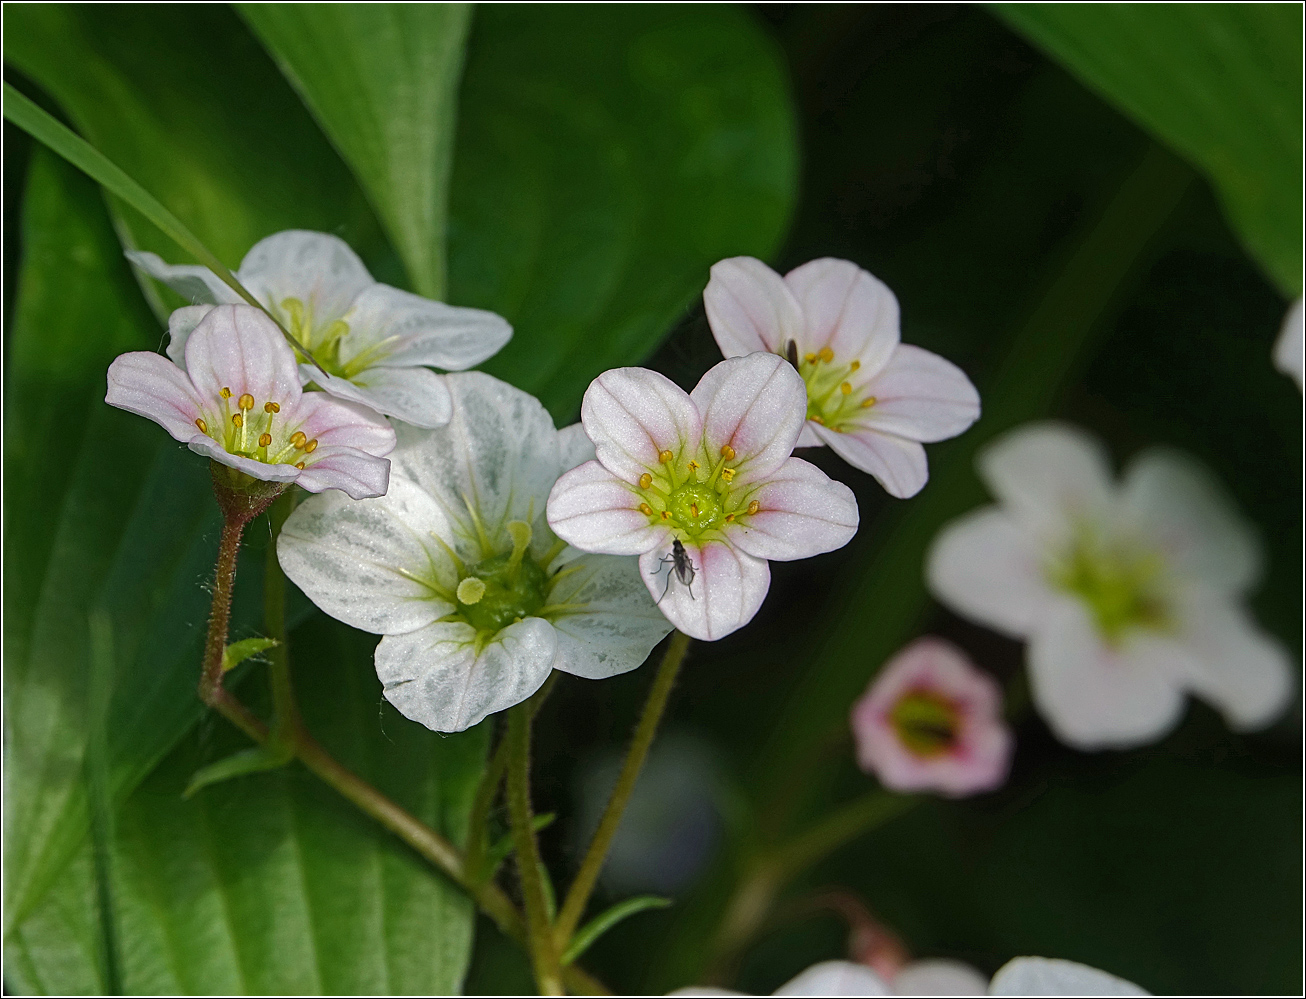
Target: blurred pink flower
238,400
931,721
873,399
702,487
1288,349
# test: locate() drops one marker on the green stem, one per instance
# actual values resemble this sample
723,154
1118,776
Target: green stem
224,584
544,955
286,719
579,894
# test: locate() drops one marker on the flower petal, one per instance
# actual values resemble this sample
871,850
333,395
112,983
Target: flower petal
727,589
755,404
437,677
237,347
1289,348
987,567
334,423
362,561
1179,507
194,283
921,396
803,513
355,472
207,446
152,386
898,464
574,446
615,623
319,269
807,437
1050,475
398,329
835,978
181,324
848,310
939,977
1043,976
632,414
594,510
414,395
750,308
1099,696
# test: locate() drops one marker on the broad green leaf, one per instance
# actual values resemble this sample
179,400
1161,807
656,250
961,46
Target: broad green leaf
1221,84
382,81
607,156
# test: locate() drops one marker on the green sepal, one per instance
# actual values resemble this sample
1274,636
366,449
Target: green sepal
247,761
603,922
237,652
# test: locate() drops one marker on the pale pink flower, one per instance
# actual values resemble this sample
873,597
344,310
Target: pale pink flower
238,400
1288,349
874,400
931,721
702,487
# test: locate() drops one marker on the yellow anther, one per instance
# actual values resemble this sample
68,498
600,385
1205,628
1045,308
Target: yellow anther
817,419
297,439
237,419
826,355
868,402
272,407
665,456
727,452
225,392
311,446
204,427
299,464
846,389
728,474
754,506
645,481
264,440
246,401
693,509
854,365
809,358
693,465
730,518
646,510
666,514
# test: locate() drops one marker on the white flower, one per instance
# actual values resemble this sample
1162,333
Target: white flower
376,344
1129,596
1021,976
235,396
872,399
702,487
456,567
1288,349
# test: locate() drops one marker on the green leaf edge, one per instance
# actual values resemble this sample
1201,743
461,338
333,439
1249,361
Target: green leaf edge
604,921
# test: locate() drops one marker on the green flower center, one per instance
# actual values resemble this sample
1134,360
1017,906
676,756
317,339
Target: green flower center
695,500
324,344
926,723
832,398
695,506
511,591
255,429
1121,588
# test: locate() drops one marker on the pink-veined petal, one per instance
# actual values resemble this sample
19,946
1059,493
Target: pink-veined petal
749,308
398,329
755,405
190,281
727,589
920,396
803,513
152,386
848,310
574,446
318,269
807,437
358,473
414,395
237,347
632,414
898,464
593,510
336,423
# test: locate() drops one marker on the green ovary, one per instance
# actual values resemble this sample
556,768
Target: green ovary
1121,588
696,507
926,723
512,591
694,500
832,399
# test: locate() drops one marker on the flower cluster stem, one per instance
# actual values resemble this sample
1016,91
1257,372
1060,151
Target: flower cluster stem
578,895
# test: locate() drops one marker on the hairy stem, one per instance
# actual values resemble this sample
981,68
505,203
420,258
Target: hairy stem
579,894
224,584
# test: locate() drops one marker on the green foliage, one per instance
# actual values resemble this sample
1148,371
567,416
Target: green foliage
610,917
382,80
237,652
1220,83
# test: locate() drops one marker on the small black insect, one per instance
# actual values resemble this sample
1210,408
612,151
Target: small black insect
791,354
679,565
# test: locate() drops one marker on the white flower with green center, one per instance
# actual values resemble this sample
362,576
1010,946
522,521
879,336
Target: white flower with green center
1130,596
476,598
873,400
375,344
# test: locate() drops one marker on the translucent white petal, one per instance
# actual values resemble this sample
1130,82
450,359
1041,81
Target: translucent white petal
357,473
1043,976
807,437
574,446
414,395
594,510
920,396
181,324
318,269
835,978
987,567
364,562
210,448
194,283
1289,348
939,977
1095,695
803,513
756,405
750,308
1176,505
153,387
238,348
727,588
898,464
633,414
435,675
335,423
399,329
848,310
609,623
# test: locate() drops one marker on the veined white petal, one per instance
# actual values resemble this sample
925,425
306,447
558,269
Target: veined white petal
368,562
594,510
920,396
414,395
898,464
835,978
152,386
400,329
807,437
749,308
633,414
803,513
608,623
436,676
848,310
192,282
238,348
359,474
756,405
939,977
318,269
335,423
181,324
1289,348
574,446
727,589
1043,976
207,446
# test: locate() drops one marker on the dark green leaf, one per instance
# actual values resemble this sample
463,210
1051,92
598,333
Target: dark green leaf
603,922
254,760
237,652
